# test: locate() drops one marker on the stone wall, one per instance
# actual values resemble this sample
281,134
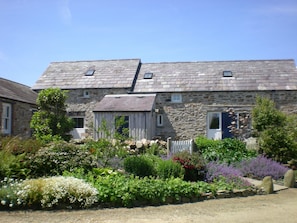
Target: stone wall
21,118
184,120
78,103
22,114
187,120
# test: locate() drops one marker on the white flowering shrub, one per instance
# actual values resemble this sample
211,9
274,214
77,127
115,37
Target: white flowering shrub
57,191
8,197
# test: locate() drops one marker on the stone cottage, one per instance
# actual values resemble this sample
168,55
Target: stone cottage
87,82
17,104
180,100
193,97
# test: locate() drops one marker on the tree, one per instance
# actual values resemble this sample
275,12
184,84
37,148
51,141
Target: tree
51,121
265,115
277,131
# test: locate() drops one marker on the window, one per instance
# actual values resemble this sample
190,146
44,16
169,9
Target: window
122,125
78,122
227,73
6,118
148,76
159,120
176,98
90,72
33,110
214,121
86,94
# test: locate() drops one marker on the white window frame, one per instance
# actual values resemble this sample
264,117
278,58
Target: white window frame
77,117
160,120
176,97
6,118
86,94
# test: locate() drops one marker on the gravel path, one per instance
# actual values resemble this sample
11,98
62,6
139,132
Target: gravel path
278,207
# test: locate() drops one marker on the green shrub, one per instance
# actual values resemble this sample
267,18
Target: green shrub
228,150
156,149
58,157
13,166
109,153
233,144
276,130
204,144
91,175
104,171
279,144
141,165
16,145
51,122
14,153
168,168
265,115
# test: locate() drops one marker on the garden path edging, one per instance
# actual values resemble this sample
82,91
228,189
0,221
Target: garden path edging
257,183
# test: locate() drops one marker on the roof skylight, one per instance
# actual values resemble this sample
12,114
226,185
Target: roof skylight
90,72
148,76
227,73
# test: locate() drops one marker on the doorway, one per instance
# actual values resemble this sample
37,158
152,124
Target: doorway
218,125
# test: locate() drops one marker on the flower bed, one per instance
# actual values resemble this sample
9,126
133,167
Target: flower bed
109,190
184,178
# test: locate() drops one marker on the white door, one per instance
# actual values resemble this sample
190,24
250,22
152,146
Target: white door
6,119
79,129
214,123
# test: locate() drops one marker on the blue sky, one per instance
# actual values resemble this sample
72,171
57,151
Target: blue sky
37,32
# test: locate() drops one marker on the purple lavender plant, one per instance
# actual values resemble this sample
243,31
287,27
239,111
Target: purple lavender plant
216,170
262,166
231,175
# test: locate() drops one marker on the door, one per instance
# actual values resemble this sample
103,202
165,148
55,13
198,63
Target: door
214,123
6,119
218,125
226,123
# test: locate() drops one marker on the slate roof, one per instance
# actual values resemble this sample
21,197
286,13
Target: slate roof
126,102
71,75
248,75
18,92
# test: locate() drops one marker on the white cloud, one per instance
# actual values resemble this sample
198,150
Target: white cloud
281,9
65,12
284,10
